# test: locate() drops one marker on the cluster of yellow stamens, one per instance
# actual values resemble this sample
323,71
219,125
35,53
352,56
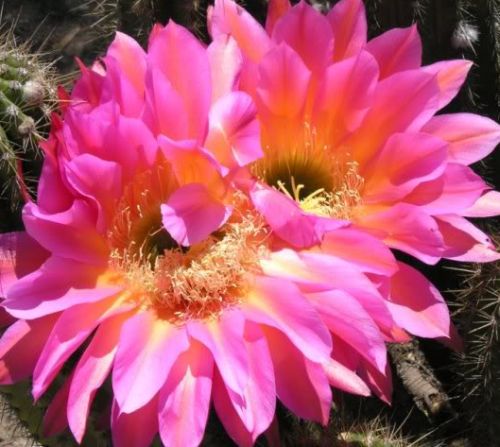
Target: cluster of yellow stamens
323,180
195,282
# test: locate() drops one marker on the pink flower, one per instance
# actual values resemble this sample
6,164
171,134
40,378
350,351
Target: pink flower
141,252
349,131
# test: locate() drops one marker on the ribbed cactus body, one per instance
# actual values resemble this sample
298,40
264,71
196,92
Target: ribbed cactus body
26,95
478,367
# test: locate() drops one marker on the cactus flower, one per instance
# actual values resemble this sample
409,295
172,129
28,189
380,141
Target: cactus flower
350,131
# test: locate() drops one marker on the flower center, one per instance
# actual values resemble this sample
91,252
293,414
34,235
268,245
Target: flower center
181,283
323,181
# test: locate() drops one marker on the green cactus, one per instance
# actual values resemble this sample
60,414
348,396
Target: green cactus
26,98
478,367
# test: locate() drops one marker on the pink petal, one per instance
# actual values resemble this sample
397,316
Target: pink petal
82,172
284,82
348,21
228,18
246,421
346,94
224,339
90,373
20,347
233,136
379,382
131,58
184,400
46,291
278,303
357,247
275,10
19,256
53,194
165,110
396,50
136,429
54,420
70,331
344,379
227,414
455,191
405,102
317,272
301,385
417,306
71,234
471,137
119,88
407,228
486,206
464,242
225,64
308,33
141,146
346,318
192,164
288,221
147,350
398,168
188,70
450,76
192,214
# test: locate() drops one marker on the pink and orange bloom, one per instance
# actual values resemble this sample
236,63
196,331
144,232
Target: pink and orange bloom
349,130
212,224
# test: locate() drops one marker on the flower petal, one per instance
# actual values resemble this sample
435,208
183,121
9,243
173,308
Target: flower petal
71,234
408,228
275,10
55,420
45,291
225,64
188,70
450,76
228,18
470,137
464,242
246,421
345,95
308,33
224,339
346,318
136,429
19,256
184,400
20,347
357,247
396,50
301,385
348,21
413,98
147,349
279,304
398,168
417,306
486,206
233,136
455,191
90,373
344,379
69,332
284,82
192,213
